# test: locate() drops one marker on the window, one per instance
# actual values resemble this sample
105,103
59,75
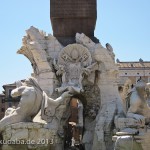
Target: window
2,109
132,65
3,100
125,73
10,93
9,104
148,79
120,88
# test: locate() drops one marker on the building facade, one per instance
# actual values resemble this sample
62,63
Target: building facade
2,105
10,101
133,71
6,100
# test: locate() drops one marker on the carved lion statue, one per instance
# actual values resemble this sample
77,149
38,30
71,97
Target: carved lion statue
33,99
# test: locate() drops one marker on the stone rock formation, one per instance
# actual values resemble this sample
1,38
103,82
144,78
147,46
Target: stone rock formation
86,70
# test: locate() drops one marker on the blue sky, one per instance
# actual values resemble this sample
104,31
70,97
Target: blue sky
125,24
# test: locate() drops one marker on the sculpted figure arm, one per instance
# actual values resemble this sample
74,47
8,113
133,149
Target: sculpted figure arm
90,68
49,105
64,96
93,67
87,72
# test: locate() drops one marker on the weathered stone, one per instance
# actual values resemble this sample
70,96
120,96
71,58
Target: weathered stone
122,123
85,70
20,134
34,137
86,41
126,143
84,73
19,125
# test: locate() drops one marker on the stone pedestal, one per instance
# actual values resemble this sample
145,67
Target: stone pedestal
28,136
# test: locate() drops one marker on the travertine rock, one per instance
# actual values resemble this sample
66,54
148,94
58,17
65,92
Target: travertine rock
110,99
122,123
40,50
86,70
85,41
126,143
